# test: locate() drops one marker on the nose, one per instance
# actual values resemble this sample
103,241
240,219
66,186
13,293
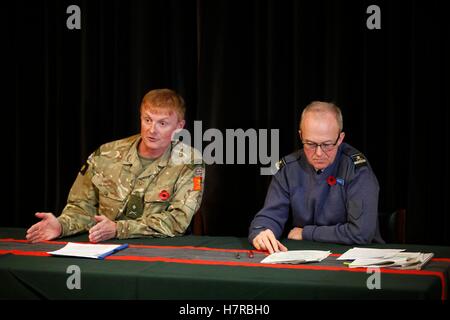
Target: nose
151,127
318,151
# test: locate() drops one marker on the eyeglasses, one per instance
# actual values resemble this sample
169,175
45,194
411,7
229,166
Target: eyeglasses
326,147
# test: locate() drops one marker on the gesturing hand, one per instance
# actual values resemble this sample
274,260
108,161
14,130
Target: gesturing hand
47,229
105,229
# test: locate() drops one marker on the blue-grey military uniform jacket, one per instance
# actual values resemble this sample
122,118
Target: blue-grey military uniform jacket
342,212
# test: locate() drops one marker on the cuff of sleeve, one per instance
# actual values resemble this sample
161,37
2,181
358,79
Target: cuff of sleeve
254,233
122,229
64,227
308,233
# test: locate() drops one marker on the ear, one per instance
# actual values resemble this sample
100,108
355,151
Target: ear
181,124
341,137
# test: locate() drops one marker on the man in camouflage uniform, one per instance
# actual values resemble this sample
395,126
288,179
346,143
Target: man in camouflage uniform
143,185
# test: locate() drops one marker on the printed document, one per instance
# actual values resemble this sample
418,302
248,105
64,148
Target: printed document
296,256
88,250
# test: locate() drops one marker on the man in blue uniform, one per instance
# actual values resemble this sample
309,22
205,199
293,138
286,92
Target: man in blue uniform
328,187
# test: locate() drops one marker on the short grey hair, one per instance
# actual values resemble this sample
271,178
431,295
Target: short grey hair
323,107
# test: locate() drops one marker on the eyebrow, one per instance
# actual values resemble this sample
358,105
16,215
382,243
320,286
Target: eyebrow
162,119
326,141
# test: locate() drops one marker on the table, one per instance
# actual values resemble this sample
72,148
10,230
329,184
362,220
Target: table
181,269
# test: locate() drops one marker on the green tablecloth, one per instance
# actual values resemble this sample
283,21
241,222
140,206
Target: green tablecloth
41,277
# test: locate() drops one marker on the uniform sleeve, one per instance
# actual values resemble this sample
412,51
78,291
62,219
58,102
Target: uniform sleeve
275,212
175,215
362,214
82,203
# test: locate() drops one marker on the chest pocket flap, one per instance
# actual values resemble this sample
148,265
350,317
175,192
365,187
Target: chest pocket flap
158,200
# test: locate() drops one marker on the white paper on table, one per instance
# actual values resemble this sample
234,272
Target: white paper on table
402,260
87,250
296,256
369,253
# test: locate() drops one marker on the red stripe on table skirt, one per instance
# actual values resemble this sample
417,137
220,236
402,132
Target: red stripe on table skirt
26,253
26,241
441,259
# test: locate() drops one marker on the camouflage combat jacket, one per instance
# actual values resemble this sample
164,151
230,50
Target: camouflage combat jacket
159,201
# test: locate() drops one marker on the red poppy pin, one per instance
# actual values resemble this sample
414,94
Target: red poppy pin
331,181
164,195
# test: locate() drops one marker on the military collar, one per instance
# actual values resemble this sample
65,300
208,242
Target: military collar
133,156
163,160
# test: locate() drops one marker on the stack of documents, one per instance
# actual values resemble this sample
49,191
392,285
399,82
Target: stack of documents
386,258
86,250
296,256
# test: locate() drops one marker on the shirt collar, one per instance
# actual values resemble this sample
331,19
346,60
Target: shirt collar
132,156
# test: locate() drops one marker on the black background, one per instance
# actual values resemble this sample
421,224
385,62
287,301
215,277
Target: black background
238,64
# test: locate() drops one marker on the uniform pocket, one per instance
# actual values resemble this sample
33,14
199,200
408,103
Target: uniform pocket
110,200
157,201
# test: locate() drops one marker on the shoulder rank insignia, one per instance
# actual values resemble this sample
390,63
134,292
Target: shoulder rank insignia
280,164
359,160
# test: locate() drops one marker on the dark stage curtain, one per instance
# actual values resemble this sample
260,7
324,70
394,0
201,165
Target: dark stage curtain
71,90
239,64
